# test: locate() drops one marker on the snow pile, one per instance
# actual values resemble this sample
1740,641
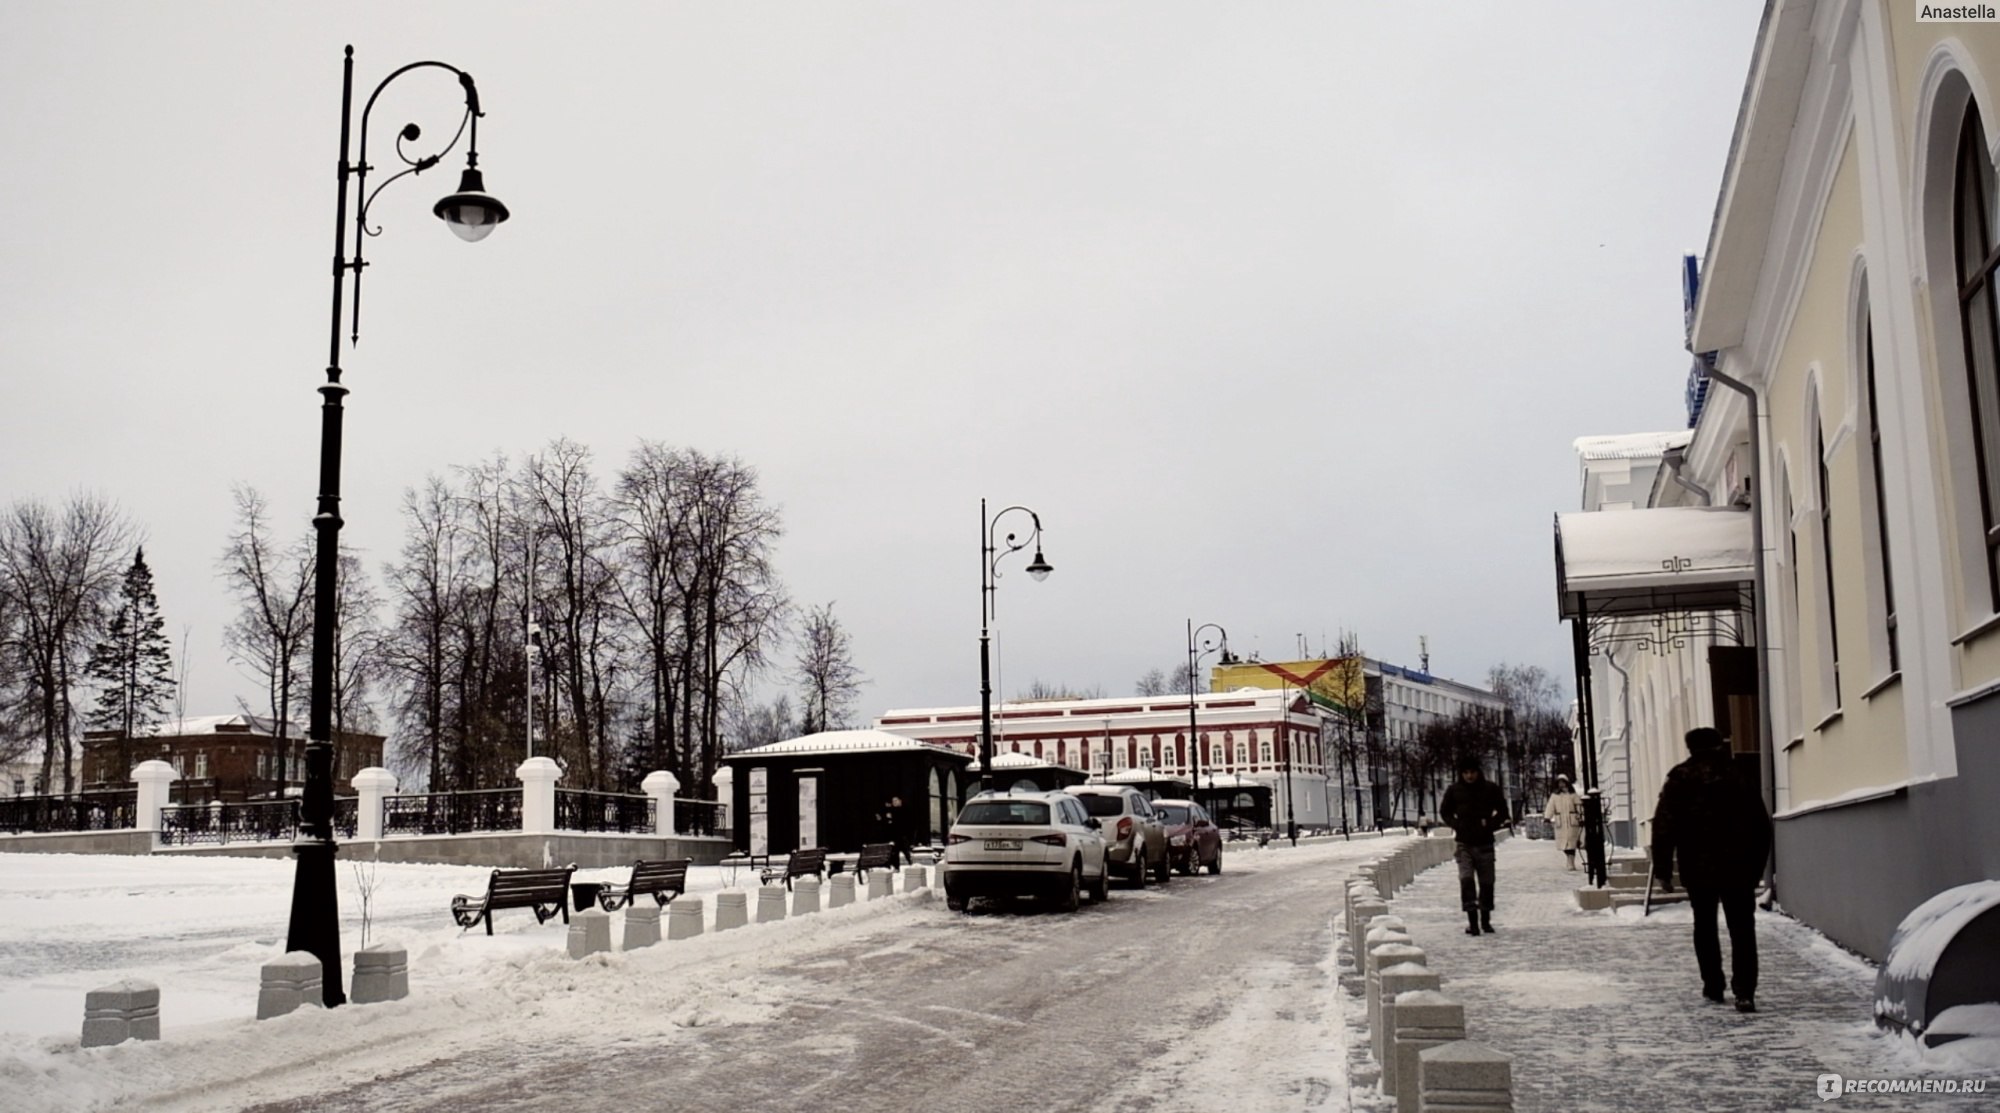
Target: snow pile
202,927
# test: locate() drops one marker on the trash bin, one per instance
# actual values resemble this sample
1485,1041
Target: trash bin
583,894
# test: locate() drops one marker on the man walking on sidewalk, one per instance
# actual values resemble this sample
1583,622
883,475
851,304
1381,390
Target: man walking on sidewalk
1715,821
1474,808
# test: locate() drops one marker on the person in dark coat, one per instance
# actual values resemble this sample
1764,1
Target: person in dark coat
1713,822
896,829
1474,808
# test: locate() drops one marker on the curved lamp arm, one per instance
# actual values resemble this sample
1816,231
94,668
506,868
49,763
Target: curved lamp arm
1038,567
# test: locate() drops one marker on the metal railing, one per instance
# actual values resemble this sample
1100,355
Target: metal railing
86,811
346,816
256,821
582,810
452,813
698,817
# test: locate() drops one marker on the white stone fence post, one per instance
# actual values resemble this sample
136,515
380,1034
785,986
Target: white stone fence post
153,778
371,785
538,795
661,786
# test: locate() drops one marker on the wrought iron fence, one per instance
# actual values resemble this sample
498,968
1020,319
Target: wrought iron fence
218,822
346,816
698,817
581,810
452,813
85,811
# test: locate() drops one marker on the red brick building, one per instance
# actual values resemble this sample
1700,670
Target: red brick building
221,757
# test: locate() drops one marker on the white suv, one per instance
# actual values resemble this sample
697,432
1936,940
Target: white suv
1135,840
1024,843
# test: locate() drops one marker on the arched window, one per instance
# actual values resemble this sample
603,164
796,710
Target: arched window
1978,256
1878,501
1829,626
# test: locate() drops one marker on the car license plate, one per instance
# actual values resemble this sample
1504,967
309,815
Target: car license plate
1003,844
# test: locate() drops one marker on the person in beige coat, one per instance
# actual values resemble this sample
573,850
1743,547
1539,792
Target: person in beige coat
1565,812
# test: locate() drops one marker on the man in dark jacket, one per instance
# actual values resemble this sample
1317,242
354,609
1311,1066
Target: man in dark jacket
1474,808
1715,823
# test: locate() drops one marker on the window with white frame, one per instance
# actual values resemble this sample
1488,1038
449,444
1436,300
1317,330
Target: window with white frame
1828,628
1264,752
1877,503
1978,256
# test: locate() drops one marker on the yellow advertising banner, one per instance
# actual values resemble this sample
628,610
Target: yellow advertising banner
1338,680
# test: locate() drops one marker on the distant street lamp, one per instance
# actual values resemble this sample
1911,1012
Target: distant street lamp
471,213
1206,647
989,571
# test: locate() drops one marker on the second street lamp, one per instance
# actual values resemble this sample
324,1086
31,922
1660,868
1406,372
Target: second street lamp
989,571
1206,647
471,213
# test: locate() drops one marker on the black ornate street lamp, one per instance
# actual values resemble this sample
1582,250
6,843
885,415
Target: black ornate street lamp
989,571
472,213
1195,654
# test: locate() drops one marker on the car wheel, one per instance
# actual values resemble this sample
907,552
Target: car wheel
1100,889
1188,861
1072,896
1163,872
1215,863
1135,871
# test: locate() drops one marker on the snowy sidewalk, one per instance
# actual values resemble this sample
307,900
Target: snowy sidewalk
1603,1011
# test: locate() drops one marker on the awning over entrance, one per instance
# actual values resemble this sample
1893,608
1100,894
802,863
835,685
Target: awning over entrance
1664,559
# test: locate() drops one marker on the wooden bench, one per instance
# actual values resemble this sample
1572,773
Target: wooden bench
875,856
544,891
664,878
806,861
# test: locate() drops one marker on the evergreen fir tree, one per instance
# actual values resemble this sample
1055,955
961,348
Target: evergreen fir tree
132,666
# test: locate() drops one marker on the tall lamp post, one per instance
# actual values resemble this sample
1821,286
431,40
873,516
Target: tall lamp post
989,571
471,213
1196,651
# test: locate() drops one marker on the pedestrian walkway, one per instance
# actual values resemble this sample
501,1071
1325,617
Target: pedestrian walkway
1603,1010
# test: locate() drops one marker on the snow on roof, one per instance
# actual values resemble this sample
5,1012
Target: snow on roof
1608,554
844,742
1017,761
210,724
1631,446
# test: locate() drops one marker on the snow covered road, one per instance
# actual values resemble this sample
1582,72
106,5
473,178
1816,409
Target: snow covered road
1212,993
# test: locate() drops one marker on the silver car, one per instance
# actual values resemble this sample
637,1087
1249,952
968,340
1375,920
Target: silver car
1135,839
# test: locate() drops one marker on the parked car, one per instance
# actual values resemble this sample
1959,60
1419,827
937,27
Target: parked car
1135,841
1193,839
1040,844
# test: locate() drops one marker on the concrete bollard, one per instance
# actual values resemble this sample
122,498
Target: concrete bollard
1365,912
878,884
684,918
1424,1019
1464,1076
290,981
642,926
123,1010
1380,957
914,878
805,896
1391,983
770,904
589,932
381,973
732,909
841,892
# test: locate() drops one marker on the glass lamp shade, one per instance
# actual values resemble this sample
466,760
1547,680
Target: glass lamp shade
472,212
1039,568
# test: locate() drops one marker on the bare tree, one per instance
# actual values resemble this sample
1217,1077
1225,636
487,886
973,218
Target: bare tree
1039,689
1153,682
828,679
750,724
273,585
58,567
572,519
427,585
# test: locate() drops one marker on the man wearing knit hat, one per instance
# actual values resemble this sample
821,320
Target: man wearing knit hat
1715,823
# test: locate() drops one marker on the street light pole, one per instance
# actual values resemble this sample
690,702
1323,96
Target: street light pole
471,213
989,571
1196,651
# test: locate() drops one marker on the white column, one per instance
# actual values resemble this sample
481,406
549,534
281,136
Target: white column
725,799
371,785
661,786
538,795
153,778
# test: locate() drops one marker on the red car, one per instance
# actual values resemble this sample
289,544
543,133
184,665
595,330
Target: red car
1193,839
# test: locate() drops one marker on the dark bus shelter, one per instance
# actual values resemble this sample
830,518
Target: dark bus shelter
829,790
1236,802
1023,774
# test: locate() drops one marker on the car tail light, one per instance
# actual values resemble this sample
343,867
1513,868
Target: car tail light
1125,828
954,840
1057,839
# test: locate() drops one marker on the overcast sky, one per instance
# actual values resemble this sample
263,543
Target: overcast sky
1282,315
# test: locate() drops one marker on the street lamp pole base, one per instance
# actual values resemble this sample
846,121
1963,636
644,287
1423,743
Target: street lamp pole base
315,925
